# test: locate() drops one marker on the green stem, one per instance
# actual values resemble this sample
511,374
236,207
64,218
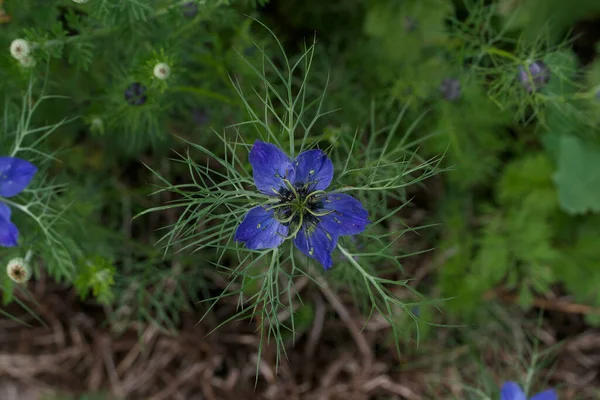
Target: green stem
503,53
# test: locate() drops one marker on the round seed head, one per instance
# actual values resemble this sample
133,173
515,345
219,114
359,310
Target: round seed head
450,89
18,270
540,76
162,71
20,48
135,94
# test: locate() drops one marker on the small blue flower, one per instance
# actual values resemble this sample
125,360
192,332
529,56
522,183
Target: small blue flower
450,89
15,175
300,208
512,391
540,76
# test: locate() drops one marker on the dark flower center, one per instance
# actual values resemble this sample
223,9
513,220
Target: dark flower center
298,206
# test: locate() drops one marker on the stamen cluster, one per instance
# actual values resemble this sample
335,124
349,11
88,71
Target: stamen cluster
297,205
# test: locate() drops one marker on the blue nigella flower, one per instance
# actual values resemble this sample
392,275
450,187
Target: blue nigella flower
300,208
15,175
512,391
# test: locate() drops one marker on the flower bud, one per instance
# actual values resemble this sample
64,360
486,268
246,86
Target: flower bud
450,89
135,94
20,48
540,76
162,71
80,1
97,125
190,9
18,270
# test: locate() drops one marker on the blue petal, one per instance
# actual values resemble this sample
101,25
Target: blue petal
316,243
8,231
348,218
546,395
313,167
270,166
512,391
259,230
15,175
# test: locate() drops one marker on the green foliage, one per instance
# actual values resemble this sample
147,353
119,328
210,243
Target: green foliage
40,210
75,217
365,81
553,17
406,29
96,276
578,185
516,242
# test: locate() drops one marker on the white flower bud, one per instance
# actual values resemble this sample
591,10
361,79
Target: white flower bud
97,125
20,48
18,270
162,71
27,62
80,1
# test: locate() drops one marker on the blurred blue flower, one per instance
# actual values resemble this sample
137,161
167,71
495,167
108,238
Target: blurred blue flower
540,76
300,208
450,89
512,391
15,175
